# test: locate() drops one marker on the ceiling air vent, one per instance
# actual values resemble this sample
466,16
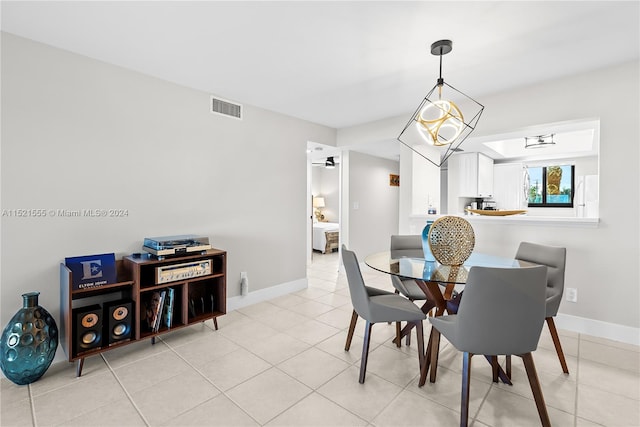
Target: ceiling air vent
226,108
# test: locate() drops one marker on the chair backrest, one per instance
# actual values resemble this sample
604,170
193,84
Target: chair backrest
451,239
502,311
555,259
405,246
357,289
406,242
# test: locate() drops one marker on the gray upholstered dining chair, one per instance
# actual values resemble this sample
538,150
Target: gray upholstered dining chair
372,292
502,313
555,260
409,246
378,308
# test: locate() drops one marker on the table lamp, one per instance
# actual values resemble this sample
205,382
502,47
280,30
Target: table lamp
318,202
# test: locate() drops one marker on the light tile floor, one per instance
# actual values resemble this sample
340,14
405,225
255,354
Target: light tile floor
282,363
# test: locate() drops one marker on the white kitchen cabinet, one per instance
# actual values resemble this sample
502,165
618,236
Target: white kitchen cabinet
509,186
473,173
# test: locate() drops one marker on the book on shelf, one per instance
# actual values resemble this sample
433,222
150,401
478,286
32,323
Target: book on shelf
168,308
159,310
151,309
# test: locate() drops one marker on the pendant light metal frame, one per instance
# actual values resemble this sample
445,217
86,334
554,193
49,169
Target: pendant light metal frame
541,141
450,116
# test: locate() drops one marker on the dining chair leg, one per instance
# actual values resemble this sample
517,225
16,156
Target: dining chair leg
420,339
508,365
556,343
435,349
352,328
534,382
427,360
365,351
494,368
498,372
426,309
398,339
466,382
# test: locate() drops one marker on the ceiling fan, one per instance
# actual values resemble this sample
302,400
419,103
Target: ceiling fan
329,163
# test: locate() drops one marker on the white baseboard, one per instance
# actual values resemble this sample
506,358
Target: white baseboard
597,328
266,294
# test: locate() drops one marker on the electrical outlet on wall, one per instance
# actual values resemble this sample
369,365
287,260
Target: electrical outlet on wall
244,283
571,294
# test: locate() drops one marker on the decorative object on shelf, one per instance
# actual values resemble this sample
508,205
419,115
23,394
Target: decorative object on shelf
87,334
118,317
495,212
92,271
539,141
318,202
394,180
29,342
174,246
438,121
428,256
451,239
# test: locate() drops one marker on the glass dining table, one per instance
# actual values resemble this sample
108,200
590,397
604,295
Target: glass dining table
438,282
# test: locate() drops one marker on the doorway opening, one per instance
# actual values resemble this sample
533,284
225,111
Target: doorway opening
324,200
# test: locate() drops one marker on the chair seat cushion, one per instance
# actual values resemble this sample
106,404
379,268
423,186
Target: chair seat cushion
393,308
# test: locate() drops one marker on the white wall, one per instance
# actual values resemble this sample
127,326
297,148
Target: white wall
81,134
602,262
376,217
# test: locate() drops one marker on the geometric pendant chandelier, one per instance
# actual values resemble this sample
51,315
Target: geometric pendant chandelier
444,118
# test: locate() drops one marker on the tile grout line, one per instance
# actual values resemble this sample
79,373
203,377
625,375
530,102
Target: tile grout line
575,403
273,366
126,392
484,398
222,392
32,404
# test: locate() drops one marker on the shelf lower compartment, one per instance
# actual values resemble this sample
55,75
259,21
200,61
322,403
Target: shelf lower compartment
204,317
192,321
161,331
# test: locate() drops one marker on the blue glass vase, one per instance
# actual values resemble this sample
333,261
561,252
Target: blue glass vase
29,342
425,242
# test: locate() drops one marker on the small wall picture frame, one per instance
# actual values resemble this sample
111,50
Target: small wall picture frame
394,180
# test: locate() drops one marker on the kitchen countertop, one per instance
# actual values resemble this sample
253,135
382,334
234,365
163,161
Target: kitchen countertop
523,219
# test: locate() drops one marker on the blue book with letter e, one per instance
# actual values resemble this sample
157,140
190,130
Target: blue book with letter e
92,271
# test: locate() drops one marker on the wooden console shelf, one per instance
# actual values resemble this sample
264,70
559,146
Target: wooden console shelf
92,315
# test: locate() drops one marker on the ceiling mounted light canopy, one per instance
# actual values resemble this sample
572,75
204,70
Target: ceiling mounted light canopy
539,141
438,126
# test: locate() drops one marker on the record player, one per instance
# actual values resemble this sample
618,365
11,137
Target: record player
174,246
